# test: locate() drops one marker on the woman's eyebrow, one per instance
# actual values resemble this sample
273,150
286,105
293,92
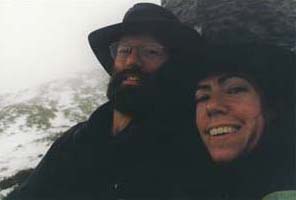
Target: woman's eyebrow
226,77
203,87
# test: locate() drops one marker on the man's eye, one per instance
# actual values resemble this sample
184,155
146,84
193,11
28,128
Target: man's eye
153,51
237,90
123,50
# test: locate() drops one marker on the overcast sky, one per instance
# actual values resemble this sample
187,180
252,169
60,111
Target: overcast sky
41,40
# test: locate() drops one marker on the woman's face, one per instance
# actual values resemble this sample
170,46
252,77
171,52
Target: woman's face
229,116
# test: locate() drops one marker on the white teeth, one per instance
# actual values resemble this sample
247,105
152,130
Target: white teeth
133,78
222,130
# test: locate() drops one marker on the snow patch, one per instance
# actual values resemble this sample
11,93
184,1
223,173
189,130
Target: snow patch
30,120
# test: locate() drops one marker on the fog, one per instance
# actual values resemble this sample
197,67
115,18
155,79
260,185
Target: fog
42,40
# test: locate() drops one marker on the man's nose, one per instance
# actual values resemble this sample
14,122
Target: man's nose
216,106
133,58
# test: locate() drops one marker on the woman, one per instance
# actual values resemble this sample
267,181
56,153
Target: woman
245,115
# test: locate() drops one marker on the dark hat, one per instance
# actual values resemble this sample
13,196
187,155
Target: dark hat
269,67
262,60
145,18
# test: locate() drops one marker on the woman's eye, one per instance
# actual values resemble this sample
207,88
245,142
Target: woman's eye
237,90
202,98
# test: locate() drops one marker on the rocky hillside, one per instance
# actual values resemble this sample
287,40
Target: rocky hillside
31,120
232,21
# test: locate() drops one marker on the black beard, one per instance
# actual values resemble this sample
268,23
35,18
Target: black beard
137,100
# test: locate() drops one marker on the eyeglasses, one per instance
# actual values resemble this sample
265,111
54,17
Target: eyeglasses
146,52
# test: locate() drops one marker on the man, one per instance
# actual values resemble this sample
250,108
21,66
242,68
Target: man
122,150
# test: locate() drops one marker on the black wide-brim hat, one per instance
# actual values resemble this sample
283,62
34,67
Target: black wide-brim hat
271,68
145,18
268,62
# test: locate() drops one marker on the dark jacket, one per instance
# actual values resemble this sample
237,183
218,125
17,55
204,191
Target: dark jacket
87,163
270,167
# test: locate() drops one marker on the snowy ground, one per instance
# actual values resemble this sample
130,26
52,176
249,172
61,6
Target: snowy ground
22,147
19,151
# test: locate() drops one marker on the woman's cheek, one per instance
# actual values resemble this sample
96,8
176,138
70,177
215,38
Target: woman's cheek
201,117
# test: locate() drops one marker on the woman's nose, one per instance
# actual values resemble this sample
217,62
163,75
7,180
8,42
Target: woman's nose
216,105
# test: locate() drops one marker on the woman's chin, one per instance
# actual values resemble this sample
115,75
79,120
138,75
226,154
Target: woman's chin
223,156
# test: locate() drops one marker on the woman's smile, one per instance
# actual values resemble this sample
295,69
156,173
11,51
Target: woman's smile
229,116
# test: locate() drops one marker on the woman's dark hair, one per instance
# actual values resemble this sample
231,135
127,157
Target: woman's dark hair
272,69
271,165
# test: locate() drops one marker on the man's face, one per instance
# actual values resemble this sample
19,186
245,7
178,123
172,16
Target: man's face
137,58
229,116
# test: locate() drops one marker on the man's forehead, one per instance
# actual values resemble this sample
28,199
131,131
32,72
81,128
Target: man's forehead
134,38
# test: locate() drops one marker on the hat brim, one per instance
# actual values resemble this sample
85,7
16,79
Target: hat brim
269,67
174,35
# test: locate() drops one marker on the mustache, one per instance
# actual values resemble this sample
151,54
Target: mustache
118,77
